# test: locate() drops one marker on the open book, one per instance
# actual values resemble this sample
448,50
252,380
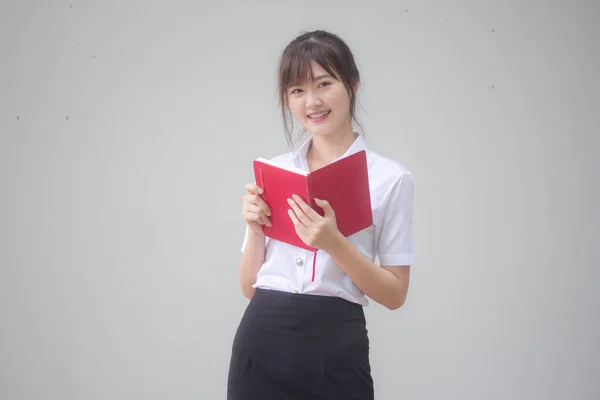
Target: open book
344,184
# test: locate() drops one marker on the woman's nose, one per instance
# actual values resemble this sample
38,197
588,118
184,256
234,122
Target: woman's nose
313,101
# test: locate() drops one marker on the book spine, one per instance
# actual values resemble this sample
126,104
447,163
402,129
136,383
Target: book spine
266,229
311,202
309,195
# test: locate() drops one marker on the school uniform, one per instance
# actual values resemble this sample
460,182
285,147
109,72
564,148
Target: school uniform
303,334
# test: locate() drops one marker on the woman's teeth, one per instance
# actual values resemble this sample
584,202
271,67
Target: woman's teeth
319,115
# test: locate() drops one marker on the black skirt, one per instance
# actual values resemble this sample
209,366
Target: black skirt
294,346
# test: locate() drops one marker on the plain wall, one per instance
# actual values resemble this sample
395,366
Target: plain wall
127,131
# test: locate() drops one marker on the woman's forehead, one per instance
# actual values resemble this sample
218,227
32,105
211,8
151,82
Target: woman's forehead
307,73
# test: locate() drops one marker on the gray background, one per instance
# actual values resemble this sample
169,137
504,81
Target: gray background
127,131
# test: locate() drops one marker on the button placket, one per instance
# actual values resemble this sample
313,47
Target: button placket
300,266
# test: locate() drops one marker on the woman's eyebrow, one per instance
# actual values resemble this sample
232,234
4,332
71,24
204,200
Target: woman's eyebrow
322,76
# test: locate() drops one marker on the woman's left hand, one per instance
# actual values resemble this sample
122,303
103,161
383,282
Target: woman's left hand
315,230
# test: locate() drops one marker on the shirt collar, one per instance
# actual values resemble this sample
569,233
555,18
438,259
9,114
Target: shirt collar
357,145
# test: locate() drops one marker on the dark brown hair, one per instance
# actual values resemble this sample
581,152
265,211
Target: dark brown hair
331,53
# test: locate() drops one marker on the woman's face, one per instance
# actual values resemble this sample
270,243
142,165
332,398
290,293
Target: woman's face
323,105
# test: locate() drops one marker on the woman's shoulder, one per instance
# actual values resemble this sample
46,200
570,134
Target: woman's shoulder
387,169
390,182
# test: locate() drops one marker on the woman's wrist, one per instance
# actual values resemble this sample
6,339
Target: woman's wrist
337,241
256,233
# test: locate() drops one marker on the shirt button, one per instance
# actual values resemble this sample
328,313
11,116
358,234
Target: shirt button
298,261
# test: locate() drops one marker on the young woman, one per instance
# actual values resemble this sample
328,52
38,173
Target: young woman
305,337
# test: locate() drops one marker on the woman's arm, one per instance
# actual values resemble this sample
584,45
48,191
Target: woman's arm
387,285
252,259
256,213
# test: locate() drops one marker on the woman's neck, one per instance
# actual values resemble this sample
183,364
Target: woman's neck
325,149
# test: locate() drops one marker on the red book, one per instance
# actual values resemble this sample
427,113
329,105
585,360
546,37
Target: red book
344,184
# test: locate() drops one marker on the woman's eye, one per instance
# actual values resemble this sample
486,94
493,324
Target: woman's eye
295,91
324,84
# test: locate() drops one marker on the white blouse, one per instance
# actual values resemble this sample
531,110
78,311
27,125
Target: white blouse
389,238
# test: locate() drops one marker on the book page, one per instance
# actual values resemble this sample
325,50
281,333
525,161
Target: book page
290,168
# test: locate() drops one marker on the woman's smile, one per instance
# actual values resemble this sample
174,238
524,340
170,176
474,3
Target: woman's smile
319,116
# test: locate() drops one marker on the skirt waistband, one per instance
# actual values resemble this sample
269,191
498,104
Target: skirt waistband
304,308
307,301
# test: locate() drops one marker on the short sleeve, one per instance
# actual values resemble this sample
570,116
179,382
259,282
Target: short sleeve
245,240
394,242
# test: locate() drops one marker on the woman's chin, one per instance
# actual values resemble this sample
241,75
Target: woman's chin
319,130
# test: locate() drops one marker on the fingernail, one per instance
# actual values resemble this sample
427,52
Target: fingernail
290,202
260,191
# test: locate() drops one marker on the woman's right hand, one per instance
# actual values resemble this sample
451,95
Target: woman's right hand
254,209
